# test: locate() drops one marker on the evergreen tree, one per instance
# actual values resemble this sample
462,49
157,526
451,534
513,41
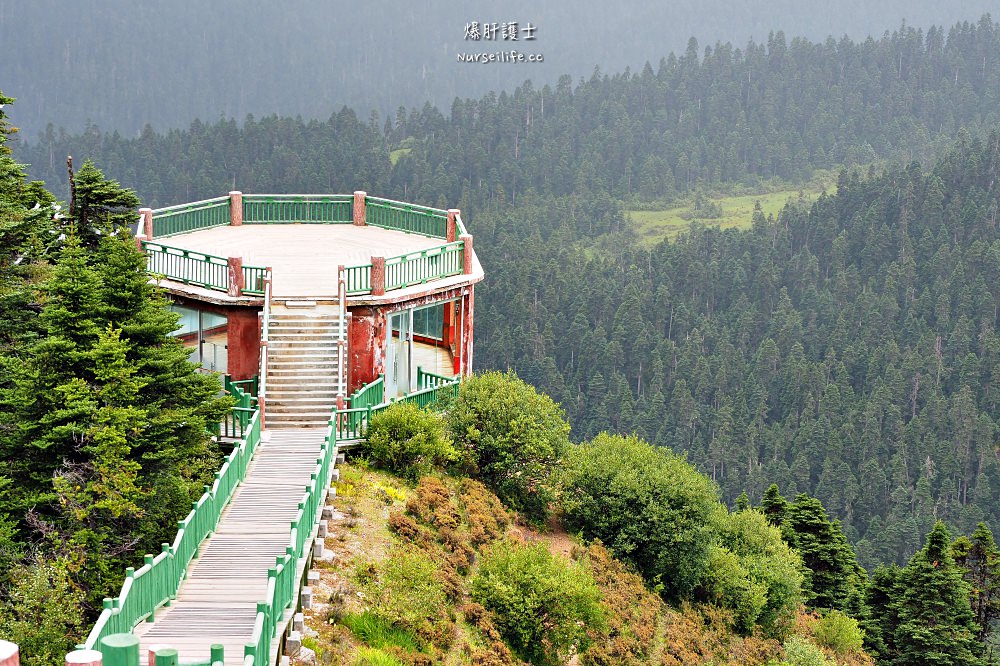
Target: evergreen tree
979,558
936,624
880,619
832,572
773,505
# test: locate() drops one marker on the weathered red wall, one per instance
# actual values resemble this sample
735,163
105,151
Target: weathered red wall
367,327
243,335
244,342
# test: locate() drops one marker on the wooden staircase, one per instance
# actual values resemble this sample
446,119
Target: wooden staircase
304,376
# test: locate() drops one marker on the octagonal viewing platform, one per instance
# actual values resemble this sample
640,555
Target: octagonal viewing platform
219,249
340,288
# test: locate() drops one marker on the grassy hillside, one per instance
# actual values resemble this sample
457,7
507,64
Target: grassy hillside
404,563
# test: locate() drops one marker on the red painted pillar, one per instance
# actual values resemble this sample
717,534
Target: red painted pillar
452,226
378,276
359,208
469,305
467,258
235,208
365,343
10,655
147,222
243,342
84,658
235,276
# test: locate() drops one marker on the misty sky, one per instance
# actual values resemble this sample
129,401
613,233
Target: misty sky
121,63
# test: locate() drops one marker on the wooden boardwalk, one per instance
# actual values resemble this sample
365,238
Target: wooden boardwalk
217,603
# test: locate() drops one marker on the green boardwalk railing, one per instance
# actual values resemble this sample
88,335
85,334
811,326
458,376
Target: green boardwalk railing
156,582
350,424
281,579
369,395
420,267
403,216
191,216
298,208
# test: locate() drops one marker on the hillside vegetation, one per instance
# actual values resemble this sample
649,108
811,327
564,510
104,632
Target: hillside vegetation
440,569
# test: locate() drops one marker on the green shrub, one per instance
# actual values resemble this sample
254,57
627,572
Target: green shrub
800,652
408,441
753,572
542,605
648,505
405,590
510,437
838,632
42,613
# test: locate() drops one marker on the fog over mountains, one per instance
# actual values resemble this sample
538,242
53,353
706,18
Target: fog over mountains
121,64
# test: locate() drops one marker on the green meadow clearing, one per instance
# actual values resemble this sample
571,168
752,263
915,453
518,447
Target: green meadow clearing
653,226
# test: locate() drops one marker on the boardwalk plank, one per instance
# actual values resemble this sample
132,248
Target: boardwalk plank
218,601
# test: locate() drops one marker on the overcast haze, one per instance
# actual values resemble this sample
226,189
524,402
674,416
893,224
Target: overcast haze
122,64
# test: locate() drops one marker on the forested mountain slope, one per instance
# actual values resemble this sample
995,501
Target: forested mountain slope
848,349
725,115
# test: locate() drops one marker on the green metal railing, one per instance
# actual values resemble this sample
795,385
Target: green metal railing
191,216
156,582
369,394
402,216
421,267
253,280
298,208
281,579
351,423
358,279
188,266
198,268
244,385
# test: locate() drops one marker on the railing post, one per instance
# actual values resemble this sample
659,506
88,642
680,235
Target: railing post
235,276
467,257
359,208
83,658
147,222
235,212
10,655
120,650
451,228
378,276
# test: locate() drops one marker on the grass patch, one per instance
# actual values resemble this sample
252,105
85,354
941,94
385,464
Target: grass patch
653,226
379,632
375,657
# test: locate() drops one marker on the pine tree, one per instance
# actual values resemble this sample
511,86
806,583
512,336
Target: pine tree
773,505
979,558
832,572
936,624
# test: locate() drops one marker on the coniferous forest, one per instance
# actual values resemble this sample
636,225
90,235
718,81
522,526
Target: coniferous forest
835,366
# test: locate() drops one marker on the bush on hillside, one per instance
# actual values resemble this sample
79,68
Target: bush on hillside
408,441
510,437
543,605
647,504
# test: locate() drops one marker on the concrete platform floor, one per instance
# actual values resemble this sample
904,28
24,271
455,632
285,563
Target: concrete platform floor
304,257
